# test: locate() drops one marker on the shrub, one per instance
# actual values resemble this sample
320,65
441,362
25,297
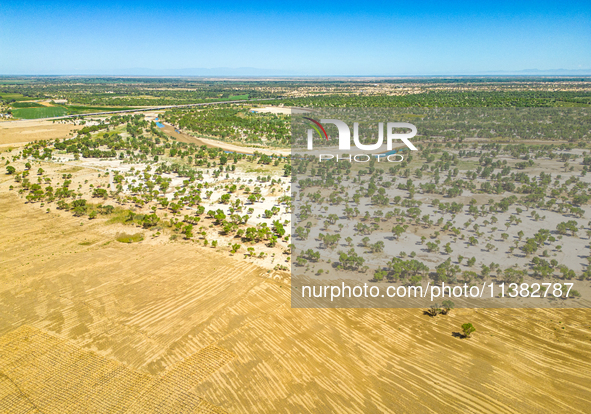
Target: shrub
129,238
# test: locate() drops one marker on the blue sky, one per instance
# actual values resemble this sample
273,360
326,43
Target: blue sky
299,38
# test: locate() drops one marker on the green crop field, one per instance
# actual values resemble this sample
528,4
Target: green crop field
44,112
14,81
76,109
34,110
15,96
237,97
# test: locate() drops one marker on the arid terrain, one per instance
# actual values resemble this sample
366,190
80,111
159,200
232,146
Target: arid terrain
12,132
146,258
92,325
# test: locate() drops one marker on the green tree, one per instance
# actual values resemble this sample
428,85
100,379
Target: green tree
398,230
377,247
379,275
448,305
467,329
287,170
433,310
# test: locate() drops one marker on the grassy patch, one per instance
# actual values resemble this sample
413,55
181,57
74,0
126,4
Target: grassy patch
44,112
119,216
86,243
237,97
129,238
467,165
267,169
15,96
71,170
259,170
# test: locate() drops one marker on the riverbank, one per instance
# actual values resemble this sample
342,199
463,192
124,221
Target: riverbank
211,143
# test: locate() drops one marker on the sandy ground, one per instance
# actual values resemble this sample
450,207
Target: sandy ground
112,327
573,250
286,110
86,172
12,132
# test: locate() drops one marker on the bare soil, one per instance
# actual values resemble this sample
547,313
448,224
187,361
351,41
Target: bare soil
14,132
88,324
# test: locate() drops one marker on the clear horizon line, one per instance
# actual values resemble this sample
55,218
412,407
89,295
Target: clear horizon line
544,73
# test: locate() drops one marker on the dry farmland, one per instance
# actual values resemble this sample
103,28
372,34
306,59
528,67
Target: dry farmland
12,132
92,325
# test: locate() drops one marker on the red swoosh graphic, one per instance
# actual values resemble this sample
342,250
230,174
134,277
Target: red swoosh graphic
320,125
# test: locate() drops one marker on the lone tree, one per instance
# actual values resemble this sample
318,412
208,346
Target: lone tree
434,310
467,328
448,305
